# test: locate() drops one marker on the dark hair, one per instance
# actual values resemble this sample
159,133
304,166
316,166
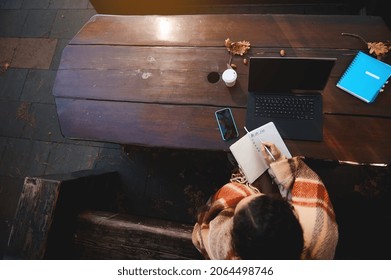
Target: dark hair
267,228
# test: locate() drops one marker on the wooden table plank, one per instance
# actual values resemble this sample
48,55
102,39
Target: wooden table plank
345,137
322,31
358,139
337,101
211,30
158,74
179,30
159,125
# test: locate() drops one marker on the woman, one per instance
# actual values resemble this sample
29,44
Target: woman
239,222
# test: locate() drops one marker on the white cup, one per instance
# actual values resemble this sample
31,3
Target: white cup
229,77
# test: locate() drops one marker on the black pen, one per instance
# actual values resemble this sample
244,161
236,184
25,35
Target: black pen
266,148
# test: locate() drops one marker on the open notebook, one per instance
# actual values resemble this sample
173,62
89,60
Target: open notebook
248,154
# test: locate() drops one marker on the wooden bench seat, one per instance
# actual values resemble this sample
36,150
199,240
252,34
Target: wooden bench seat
107,235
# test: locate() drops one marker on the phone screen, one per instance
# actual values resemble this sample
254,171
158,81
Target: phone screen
226,124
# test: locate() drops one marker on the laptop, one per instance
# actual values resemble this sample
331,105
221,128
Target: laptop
288,92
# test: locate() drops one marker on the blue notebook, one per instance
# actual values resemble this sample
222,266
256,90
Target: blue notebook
365,77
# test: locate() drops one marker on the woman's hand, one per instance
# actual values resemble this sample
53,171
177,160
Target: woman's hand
274,155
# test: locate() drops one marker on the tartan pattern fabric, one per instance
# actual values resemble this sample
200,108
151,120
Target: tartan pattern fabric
297,183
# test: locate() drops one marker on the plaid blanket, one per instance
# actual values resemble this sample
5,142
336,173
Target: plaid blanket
299,184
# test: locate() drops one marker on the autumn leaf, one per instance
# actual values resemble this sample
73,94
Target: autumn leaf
237,48
379,48
227,44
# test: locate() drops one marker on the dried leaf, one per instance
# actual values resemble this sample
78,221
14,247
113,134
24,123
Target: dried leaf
379,48
227,44
239,48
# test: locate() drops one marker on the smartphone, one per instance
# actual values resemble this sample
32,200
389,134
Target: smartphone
226,123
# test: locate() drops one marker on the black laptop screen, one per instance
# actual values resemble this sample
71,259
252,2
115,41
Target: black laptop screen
283,74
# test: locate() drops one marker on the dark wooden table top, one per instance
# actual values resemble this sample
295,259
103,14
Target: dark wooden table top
142,80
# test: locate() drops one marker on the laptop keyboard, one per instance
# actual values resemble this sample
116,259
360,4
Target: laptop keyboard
289,107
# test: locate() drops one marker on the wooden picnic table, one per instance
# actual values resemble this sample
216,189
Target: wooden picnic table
142,80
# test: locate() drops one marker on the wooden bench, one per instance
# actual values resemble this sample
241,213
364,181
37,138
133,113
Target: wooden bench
108,235
75,216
